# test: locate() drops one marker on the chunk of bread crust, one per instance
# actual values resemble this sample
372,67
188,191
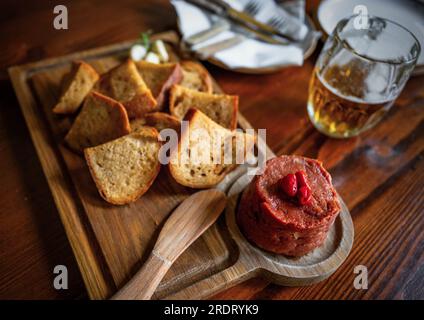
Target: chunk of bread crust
159,78
220,108
196,77
124,84
161,120
206,151
125,168
76,86
101,119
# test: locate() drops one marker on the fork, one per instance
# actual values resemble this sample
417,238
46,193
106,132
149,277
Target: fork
252,8
276,22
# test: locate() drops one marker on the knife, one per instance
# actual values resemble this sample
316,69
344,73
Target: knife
216,28
260,30
219,27
246,18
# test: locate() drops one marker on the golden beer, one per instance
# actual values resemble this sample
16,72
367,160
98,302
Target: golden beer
345,111
359,73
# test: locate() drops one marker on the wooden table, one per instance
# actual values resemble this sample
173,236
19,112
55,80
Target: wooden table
380,174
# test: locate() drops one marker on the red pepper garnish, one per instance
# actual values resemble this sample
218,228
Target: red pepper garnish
289,184
304,195
301,179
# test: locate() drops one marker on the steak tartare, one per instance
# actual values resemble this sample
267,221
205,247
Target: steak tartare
280,223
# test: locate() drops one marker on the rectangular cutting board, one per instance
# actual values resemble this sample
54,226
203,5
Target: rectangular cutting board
110,243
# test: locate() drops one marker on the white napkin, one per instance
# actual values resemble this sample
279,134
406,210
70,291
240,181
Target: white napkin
250,53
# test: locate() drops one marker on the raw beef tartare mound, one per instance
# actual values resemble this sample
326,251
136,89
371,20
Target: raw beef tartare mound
275,219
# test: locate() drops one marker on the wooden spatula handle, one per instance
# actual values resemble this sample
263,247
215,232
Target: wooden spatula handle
187,223
144,283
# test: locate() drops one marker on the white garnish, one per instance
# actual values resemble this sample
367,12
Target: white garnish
159,48
138,52
152,58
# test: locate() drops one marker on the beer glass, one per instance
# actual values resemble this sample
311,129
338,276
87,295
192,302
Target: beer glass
361,70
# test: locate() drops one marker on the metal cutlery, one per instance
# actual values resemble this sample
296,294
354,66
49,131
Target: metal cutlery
252,8
262,31
276,22
244,17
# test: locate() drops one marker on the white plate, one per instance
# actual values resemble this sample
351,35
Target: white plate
407,13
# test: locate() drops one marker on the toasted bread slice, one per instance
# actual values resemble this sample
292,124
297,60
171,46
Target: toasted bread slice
206,151
196,77
220,108
101,119
125,168
124,84
159,78
76,87
161,120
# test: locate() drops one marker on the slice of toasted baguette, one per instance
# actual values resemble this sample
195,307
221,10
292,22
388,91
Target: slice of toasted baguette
196,77
78,84
220,108
101,119
124,84
125,168
206,151
159,78
161,120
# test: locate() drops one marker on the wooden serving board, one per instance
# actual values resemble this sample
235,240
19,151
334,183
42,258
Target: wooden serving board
110,243
252,261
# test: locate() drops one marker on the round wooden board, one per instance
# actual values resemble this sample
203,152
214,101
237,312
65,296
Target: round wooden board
311,268
252,261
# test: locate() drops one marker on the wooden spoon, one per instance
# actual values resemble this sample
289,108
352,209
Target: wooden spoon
191,218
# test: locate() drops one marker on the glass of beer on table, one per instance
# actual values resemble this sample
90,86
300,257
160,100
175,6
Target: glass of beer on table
361,70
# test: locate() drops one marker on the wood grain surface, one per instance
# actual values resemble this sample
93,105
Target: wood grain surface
186,224
379,174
